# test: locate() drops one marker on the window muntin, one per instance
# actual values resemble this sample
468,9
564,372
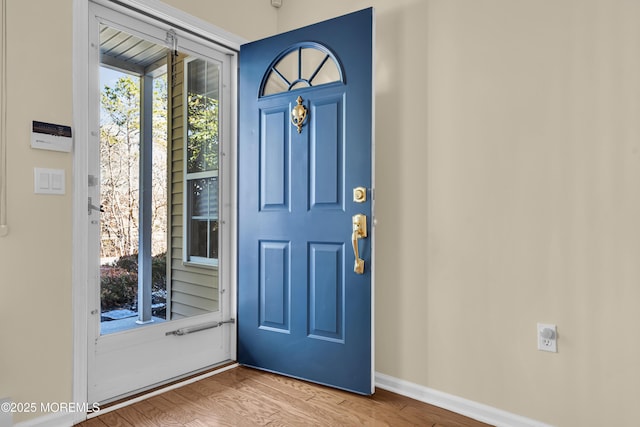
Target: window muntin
301,66
202,101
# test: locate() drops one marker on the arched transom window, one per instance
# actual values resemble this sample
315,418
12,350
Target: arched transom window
300,66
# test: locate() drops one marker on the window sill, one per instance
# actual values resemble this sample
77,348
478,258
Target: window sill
200,265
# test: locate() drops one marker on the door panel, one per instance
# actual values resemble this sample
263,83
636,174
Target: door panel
326,291
327,148
275,286
302,310
274,178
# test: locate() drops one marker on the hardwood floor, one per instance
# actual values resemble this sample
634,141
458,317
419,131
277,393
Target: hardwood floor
247,397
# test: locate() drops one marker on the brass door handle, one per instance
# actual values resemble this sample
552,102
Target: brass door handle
359,232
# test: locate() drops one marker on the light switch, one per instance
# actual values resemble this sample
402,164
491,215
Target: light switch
49,181
43,180
57,181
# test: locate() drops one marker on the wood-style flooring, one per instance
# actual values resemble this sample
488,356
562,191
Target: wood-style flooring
247,397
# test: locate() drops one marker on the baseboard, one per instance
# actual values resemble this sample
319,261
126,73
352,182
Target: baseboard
468,408
58,419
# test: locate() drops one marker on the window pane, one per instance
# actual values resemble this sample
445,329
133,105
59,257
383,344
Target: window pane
288,66
203,221
301,68
275,84
327,73
204,233
203,96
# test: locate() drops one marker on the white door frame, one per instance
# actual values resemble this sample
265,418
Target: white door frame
154,11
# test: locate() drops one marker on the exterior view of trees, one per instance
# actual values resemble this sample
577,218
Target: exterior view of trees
120,139
202,141
119,165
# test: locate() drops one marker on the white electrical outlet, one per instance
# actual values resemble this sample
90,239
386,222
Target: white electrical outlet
547,337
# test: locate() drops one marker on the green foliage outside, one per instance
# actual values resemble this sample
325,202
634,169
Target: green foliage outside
119,282
118,288
202,133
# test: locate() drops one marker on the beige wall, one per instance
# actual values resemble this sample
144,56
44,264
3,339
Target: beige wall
35,257
251,19
508,175
508,193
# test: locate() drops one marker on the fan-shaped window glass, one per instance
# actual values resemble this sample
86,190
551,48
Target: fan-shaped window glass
299,67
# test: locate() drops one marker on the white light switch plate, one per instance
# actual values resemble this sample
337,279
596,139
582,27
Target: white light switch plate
48,181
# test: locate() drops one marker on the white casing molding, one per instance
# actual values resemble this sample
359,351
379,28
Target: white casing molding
468,408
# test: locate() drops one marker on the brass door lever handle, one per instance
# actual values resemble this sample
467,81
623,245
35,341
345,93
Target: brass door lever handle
359,232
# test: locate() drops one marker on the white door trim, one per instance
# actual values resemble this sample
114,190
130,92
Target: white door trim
80,194
153,10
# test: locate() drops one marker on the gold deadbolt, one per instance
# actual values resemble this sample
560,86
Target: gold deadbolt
359,194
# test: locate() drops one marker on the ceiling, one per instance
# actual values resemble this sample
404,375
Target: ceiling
126,52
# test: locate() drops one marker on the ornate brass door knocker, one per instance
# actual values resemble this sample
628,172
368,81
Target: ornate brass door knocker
299,115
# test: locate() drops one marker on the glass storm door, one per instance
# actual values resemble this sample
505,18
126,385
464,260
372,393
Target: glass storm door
157,248
305,203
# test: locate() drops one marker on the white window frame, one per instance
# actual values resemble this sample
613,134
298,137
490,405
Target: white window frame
223,112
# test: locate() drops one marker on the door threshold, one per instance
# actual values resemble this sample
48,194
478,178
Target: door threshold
168,386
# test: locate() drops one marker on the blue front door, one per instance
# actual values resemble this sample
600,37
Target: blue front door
305,173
